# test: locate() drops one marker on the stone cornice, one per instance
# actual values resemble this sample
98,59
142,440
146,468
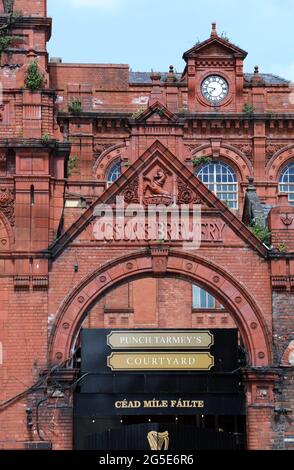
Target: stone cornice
35,143
186,116
28,22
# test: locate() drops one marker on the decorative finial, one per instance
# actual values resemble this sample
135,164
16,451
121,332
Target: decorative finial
256,69
171,69
213,30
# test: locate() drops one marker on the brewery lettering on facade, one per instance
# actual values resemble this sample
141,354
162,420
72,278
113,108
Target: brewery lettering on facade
211,323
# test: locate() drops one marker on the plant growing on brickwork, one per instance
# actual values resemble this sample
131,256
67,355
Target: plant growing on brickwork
248,108
7,40
224,36
182,110
34,78
75,106
8,6
127,164
72,164
137,113
16,14
261,232
201,161
45,139
282,248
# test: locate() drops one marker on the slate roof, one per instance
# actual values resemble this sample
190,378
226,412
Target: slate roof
269,79
144,78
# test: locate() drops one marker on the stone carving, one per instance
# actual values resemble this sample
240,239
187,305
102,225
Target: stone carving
8,6
154,189
187,195
7,204
101,147
3,161
131,193
193,147
3,157
286,219
246,149
155,185
271,149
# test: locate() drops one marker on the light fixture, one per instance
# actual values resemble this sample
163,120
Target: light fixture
29,413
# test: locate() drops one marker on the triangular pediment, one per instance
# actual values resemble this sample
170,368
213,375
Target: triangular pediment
158,113
215,46
159,178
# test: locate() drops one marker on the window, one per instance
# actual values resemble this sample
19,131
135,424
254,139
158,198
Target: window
287,182
114,172
222,180
202,299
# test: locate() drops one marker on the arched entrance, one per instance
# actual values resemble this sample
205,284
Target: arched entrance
160,261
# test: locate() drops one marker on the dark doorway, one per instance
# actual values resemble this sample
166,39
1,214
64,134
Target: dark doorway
161,432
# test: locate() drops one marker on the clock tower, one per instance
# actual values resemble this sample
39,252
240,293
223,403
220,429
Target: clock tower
214,73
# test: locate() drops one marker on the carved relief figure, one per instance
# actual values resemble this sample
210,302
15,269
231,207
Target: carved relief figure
7,204
155,185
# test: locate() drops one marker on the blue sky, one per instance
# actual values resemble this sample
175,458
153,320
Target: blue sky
153,34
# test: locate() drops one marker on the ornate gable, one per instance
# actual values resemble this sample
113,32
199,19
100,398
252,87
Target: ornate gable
157,113
159,178
215,46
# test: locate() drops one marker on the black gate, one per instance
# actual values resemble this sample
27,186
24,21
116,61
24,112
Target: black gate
154,436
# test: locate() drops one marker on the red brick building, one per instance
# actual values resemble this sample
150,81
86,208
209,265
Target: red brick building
88,133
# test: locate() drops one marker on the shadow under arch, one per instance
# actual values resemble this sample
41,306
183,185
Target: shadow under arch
187,266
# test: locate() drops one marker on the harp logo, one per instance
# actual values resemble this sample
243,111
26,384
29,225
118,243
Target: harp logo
158,440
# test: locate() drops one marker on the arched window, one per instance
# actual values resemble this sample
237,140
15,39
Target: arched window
222,180
114,172
204,300
287,181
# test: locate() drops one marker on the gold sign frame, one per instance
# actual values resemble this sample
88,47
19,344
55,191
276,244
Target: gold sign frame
160,361
160,339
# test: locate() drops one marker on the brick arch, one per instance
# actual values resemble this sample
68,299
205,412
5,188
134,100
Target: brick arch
278,161
6,235
190,267
107,158
228,154
288,355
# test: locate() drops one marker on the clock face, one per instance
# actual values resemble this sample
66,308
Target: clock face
215,89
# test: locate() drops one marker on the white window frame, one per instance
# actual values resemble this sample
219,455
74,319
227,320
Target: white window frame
285,185
110,170
202,300
222,187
